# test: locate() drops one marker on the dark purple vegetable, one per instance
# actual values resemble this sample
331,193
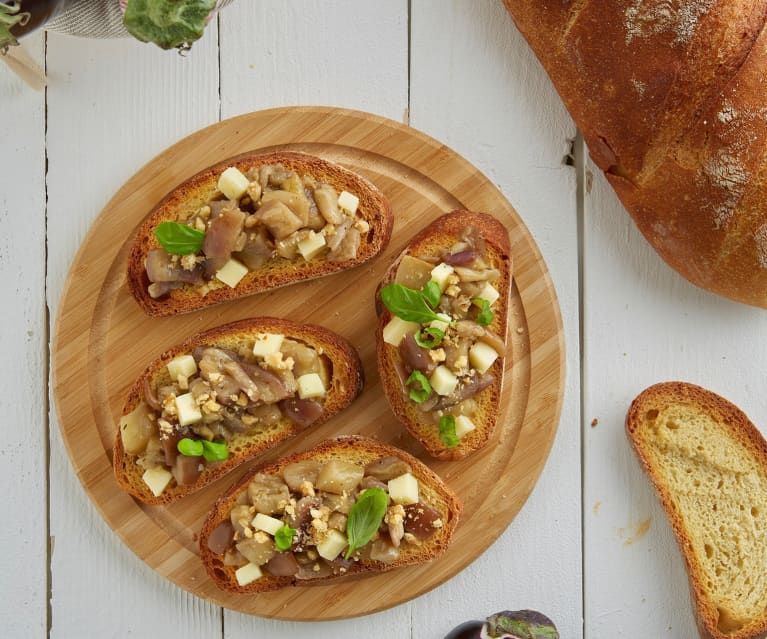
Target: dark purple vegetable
467,630
509,624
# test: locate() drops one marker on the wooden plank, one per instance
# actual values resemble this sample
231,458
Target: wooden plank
644,324
352,54
112,105
23,340
476,86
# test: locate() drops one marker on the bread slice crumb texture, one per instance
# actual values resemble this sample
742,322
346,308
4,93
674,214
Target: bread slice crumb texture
709,465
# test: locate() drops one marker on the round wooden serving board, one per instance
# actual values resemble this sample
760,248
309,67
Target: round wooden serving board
103,342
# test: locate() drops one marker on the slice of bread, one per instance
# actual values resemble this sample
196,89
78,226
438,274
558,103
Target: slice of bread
434,240
357,450
344,371
187,198
708,464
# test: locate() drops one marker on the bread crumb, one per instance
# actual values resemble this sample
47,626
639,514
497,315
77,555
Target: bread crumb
594,422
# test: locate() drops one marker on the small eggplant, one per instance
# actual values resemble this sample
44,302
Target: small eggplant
518,624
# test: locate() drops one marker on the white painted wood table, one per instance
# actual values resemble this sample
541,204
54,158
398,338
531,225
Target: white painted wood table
590,547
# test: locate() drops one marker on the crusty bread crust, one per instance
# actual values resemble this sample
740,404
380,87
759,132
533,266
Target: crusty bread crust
355,449
439,235
745,445
670,99
346,382
189,196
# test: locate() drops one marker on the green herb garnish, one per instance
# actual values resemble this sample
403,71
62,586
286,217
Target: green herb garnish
429,337
283,538
211,451
214,451
432,293
190,447
417,378
365,516
447,431
169,24
179,239
485,316
408,304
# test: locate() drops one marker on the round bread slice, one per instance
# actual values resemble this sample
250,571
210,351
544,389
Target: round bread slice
374,208
357,450
437,237
346,382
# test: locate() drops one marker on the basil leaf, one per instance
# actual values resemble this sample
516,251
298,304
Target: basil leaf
418,396
169,24
283,538
432,293
407,304
179,239
365,516
434,337
190,447
485,316
447,431
214,451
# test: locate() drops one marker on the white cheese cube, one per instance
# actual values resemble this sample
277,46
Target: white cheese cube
247,574
443,381
397,328
482,356
332,545
232,272
267,343
232,183
463,425
157,479
348,202
442,323
489,293
266,523
311,245
187,410
403,489
182,366
440,273
310,385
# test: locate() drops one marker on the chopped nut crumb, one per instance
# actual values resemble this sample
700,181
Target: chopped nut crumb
307,490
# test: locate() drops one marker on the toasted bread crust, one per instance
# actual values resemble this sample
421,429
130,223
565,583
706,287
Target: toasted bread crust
441,234
347,380
357,449
745,443
374,208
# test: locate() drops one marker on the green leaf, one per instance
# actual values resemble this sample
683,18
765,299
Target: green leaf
418,378
408,304
169,24
190,447
365,516
179,239
214,451
432,293
433,338
447,431
485,316
283,538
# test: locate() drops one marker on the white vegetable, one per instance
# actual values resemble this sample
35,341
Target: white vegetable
463,425
443,381
482,356
232,272
267,343
440,273
247,574
182,366
187,410
332,545
157,479
311,245
397,328
232,183
310,385
348,202
403,489
266,523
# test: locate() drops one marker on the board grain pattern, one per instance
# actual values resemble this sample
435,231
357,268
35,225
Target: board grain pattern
103,341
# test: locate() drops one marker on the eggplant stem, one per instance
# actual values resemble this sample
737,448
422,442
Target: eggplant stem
9,18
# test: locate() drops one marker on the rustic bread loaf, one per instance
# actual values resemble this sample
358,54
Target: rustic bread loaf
670,98
355,450
342,368
433,242
374,212
708,464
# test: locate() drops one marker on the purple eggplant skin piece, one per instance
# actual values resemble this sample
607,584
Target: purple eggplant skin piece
520,624
467,630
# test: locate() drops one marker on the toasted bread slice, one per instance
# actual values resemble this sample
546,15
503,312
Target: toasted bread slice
271,411
326,522
708,464
372,225
457,232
